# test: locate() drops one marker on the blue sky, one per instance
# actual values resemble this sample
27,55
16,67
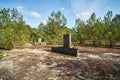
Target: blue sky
36,11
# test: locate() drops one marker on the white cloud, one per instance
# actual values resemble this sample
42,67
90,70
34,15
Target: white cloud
34,14
83,15
30,13
86,14
20,8
44,22
62,9
78,15
84,8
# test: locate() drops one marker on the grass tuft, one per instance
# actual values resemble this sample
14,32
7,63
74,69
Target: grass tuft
1,54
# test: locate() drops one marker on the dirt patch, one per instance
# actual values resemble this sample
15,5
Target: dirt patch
41,64
98,49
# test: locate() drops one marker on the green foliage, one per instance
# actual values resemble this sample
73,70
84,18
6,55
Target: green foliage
95,31
55,28
80,31
13,30
33,37
1,54
74,36
109,27
98,32
116,25
6,39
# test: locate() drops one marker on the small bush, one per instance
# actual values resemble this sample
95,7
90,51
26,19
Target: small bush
6,39
9,45
1,54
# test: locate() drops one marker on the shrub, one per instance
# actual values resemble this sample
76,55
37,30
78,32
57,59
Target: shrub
1,54
6,39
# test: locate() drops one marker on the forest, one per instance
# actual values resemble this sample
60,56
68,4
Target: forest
93,32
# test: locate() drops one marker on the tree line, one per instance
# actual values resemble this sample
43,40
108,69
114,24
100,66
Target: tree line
13,29
99,32
94,31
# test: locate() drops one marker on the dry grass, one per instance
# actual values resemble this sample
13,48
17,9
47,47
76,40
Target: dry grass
40,64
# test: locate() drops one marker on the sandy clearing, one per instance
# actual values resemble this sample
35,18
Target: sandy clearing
41,64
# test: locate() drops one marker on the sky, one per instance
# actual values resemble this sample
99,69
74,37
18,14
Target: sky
37,11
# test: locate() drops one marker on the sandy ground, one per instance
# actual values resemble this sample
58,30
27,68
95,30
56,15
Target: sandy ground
41,64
